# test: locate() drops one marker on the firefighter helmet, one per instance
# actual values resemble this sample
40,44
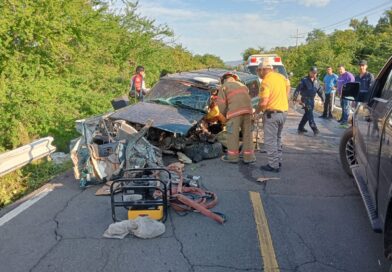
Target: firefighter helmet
229,74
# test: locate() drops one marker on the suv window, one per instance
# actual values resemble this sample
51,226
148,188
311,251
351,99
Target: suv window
387,90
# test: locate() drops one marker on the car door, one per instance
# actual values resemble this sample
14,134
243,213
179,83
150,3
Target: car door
385,169
378,111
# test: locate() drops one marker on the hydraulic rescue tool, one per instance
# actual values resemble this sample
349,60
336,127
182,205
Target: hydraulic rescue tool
141,193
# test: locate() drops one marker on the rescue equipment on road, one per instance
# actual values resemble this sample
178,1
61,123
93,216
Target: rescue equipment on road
145,193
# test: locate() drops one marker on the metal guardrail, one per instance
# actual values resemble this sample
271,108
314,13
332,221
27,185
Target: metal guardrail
19,157
335,100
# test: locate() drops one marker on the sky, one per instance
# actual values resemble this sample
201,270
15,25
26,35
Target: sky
226,28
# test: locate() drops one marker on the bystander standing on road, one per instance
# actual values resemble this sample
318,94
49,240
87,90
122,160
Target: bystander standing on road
330,81
344,77
274,104
365,79
235,103
308,88
137,86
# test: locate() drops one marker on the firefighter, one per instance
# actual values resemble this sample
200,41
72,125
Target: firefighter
137,86
235,103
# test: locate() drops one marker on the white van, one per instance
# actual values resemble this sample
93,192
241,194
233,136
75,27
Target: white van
254,61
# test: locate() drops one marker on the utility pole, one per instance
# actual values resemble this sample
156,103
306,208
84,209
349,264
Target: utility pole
296,37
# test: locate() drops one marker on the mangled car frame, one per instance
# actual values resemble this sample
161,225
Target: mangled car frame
170,119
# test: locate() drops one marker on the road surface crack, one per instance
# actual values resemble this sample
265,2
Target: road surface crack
306,245
191,266
58,236
105,256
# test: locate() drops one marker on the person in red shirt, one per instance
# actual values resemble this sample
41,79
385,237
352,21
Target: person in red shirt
137,86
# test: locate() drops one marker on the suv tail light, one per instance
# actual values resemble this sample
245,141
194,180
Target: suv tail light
253,60
277,59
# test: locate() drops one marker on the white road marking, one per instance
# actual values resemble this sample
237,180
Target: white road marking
25,205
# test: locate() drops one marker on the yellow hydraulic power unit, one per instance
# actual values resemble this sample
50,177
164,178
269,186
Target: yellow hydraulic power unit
141,193
152,212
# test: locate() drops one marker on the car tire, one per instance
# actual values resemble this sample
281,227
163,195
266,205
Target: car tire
347,151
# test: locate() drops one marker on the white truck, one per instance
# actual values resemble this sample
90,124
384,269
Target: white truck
254,61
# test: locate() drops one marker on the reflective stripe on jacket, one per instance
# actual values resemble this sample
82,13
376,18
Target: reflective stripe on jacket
234,100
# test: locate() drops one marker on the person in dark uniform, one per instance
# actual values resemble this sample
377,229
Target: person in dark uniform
365,79
308,88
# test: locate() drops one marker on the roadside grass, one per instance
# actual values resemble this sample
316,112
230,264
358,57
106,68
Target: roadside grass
25,180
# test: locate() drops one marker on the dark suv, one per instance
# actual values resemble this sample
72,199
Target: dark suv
366,150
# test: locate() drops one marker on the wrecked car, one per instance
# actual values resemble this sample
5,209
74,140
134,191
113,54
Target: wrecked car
170,119
177,104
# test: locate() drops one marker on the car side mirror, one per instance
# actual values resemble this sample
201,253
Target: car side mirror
350,91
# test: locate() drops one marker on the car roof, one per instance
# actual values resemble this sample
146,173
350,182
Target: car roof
208,76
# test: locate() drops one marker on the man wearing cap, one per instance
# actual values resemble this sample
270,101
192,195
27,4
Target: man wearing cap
235,103
330,81
137,86
308,88
344,77
364,78
274,104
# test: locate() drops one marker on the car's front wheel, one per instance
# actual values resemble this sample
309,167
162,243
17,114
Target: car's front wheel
347,151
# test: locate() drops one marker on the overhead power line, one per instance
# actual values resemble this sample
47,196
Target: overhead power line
363,13
296,37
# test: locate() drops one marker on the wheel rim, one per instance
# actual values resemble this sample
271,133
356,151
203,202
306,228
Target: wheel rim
350,152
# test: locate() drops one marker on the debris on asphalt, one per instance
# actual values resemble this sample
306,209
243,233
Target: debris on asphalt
203,150
183,158
104,190
141,227
264,179
187,196
108,147
60,157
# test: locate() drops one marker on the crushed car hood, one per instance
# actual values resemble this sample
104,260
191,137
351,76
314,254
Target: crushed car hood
164,117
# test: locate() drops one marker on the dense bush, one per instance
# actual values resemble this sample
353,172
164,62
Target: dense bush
63,60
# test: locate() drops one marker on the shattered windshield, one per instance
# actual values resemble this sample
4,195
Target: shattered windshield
179,93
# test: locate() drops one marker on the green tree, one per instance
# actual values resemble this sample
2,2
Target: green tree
251,51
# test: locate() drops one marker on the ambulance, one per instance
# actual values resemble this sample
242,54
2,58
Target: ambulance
254,61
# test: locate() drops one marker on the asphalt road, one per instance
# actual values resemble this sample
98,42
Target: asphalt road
315,215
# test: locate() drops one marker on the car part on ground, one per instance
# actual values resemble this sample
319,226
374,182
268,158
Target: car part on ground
193,199
108,147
